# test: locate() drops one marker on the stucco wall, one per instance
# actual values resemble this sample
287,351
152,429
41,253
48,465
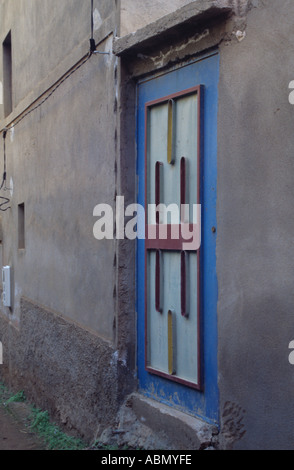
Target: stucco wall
61,163
136,15
73,315
255,231
36,24
62,368
254,224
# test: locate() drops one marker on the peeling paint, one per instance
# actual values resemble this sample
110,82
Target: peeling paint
97,20
123,359
114,358
12,133
11,187
108,48
240,35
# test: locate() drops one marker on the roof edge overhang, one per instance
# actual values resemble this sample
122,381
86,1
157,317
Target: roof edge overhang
181,23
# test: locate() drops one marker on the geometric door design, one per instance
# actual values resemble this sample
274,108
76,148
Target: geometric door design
173,145
176,283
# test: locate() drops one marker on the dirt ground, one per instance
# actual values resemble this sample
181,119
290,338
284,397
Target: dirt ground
14,435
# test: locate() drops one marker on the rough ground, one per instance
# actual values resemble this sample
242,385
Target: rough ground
14,435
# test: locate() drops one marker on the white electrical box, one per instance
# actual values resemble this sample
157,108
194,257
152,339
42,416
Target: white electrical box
6,284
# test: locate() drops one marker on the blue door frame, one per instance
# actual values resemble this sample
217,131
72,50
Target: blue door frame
204,404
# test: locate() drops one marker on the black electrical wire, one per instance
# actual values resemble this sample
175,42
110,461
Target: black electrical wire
65,77
50,94
6,129
4,157
92,40
53,90
92,19
4,199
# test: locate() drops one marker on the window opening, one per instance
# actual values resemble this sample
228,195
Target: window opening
7,75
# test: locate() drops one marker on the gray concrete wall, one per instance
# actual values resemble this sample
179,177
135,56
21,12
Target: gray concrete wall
63,369
61,163
69,339
255,231
255,194
37,24
135,15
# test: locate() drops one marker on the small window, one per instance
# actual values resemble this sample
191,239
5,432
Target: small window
7,75
21,226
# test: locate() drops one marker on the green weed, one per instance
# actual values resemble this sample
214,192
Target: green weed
53,437
4,393
17,398
39,422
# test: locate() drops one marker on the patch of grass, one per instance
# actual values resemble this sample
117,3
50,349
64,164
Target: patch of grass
4,393
17,398
39,423
54,438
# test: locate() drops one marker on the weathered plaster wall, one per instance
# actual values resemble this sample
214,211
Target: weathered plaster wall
61,170
64,369
62,343
74,297
255,227
35,24
61,160
255,194
136,15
